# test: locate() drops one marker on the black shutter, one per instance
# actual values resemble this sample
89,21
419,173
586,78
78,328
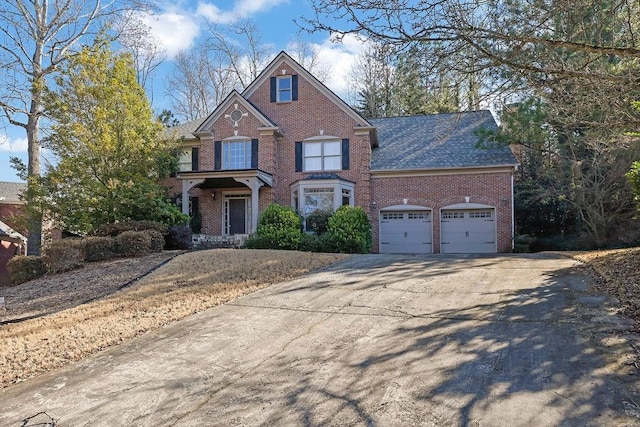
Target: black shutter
294,87
254,154
298,156
273,89
345,154
194,159
217,155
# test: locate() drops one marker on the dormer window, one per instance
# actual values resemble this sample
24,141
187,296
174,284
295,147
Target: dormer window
284,89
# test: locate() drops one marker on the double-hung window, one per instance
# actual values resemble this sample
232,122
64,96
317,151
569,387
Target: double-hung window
284,88
188,159
236,154
322,156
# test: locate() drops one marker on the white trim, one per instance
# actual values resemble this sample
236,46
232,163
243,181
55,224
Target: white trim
404,173
248,209
273,69
466,206
405,208
233,97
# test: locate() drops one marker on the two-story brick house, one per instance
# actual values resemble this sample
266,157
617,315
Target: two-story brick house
288,139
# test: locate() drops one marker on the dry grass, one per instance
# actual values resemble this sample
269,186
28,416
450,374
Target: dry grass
186,285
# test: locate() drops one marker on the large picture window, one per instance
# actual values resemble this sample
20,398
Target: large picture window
327,195
322,156
236,154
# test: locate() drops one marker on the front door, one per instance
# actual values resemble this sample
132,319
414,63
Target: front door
237,216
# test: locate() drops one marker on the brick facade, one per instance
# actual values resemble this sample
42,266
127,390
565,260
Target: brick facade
435,192
316,113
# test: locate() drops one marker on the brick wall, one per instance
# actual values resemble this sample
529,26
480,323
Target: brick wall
437,191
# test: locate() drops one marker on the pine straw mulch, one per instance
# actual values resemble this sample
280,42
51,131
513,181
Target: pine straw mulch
52,321
617,274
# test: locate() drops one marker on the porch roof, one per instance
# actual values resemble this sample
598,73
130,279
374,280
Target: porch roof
225,178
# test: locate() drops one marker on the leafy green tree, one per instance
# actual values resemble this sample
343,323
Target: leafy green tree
109,154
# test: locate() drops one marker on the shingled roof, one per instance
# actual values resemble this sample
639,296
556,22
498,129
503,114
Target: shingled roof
183,131
436,141
10,191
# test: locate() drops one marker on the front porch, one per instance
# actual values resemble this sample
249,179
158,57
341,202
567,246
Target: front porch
228,203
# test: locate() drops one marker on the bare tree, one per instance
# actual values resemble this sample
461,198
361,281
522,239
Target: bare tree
242,46
308,55
146,52
200,80
37,36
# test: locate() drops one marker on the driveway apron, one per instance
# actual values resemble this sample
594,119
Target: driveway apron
376,340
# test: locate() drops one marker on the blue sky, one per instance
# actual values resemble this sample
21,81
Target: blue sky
182,24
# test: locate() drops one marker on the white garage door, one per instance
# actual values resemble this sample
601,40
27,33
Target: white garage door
407,232
468,231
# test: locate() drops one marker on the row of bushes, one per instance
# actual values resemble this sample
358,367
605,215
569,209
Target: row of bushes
346,230
126,239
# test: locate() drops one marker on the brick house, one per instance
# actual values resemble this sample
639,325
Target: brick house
288,139
11,241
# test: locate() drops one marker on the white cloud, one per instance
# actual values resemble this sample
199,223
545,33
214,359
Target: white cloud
175,31
241,9
16,145
340,57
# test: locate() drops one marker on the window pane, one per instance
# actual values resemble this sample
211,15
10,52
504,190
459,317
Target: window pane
332,163
284,83
313,164
236,155
332,148
184,160
313,149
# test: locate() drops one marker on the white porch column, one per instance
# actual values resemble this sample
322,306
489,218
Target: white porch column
254,184
188,184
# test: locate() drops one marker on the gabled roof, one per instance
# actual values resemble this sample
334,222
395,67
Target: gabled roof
10,191
183,131
436,141
301,71
233,98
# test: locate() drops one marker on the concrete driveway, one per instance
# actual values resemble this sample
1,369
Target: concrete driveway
377,340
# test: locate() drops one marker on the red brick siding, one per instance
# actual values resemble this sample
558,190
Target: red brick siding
436,192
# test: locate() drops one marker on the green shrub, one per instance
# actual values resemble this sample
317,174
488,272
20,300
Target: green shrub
114,229
97,248
316,243
256,242
179,237
318,221
133,243
24,268
279,227
63,255
350,230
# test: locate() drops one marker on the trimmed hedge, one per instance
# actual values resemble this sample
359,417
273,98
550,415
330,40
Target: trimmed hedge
98,248
64,255
133,243
24,268
279,227
350,230
114,229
